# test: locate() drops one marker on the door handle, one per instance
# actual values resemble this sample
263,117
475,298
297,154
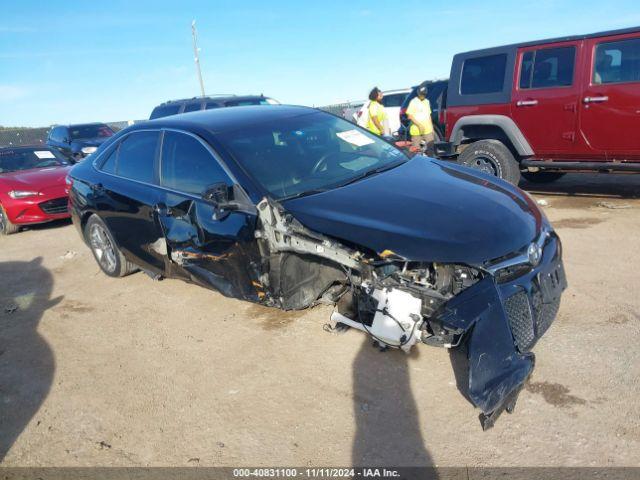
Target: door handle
526,103
162,210
601,99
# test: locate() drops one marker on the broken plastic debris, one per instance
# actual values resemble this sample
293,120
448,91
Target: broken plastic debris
613,206
69,254
10,309
542,202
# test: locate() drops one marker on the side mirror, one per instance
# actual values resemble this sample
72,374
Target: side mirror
220,195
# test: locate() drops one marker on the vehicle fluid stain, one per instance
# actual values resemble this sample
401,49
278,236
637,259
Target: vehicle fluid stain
71,307
554,394
271,318
583,222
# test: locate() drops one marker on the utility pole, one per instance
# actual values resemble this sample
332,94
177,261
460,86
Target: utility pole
194,34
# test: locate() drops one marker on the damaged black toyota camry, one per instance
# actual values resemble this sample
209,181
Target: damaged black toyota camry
291,206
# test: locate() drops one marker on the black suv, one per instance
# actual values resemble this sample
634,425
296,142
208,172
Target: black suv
79,140
173,107
437,96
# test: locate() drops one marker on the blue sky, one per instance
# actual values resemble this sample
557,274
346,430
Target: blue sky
73,61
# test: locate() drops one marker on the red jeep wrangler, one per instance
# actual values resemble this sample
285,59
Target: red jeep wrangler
543,108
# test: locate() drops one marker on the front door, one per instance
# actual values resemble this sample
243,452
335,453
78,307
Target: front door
214,248
545,98
610,103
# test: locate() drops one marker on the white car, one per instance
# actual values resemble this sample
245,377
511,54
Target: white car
392,101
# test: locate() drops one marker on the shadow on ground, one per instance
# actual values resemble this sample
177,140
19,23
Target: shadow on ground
26,360
388,429
589,185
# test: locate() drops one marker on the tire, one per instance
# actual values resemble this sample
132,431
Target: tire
105,250
491,157
542,177
6,227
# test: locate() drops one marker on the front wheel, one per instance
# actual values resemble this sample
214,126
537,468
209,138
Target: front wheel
104,248
491,157
6,227
542,177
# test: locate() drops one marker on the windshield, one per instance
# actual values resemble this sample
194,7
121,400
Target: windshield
13,160
90,131
309,153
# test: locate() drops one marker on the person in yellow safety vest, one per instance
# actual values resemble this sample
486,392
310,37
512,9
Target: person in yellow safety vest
377,114
419,112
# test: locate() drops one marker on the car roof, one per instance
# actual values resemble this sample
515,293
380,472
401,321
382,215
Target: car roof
397,90
226,119
76,125
554,40
215,98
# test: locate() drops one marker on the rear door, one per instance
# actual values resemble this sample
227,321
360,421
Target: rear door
127,198
204,245
610,103
545,97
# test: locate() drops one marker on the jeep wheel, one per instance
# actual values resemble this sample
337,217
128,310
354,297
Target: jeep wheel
6,227
542,177
491,157
104,248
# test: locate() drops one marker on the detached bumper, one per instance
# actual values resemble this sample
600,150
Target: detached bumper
503,322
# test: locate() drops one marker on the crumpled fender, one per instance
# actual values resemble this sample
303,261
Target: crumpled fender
497,370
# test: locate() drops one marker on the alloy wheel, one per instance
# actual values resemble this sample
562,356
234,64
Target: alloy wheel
103,248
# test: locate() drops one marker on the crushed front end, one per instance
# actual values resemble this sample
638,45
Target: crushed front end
495,312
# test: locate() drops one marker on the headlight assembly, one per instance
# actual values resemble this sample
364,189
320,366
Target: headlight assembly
22,194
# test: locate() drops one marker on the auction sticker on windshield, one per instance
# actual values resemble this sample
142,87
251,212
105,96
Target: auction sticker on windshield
354,137
44,154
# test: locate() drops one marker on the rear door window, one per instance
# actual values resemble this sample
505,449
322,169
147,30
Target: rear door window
553,68
211,105
192,107
483,74
136,156
165,111
187,166
109,165
617,62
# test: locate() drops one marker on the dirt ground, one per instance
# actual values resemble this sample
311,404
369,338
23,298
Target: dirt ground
132,372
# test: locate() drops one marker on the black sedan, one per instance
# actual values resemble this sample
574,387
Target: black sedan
289,206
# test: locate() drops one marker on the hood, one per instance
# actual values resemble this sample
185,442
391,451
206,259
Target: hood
426,210
36,179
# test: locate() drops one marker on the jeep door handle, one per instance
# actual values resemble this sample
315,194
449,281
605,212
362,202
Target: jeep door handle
601,99
526,103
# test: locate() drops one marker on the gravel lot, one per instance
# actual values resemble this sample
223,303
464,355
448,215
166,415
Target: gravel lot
98,371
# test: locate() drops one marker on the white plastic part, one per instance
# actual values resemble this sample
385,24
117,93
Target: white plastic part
398,315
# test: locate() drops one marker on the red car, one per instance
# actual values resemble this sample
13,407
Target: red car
33,187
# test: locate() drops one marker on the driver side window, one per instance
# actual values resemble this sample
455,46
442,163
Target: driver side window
187,166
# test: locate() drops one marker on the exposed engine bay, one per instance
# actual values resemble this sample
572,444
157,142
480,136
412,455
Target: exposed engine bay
400,303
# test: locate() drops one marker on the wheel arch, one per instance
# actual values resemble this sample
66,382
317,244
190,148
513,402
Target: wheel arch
491,127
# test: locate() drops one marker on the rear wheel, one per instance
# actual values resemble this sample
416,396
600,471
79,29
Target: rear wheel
491,157
6,227
104,248
542,177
